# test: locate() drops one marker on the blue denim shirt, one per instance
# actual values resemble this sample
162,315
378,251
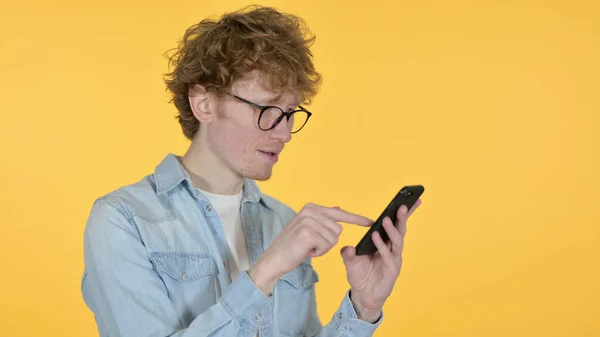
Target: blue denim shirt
156,265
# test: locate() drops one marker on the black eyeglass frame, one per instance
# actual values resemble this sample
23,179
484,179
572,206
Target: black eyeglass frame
287,115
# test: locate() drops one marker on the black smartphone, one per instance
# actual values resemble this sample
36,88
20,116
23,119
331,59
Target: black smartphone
408,196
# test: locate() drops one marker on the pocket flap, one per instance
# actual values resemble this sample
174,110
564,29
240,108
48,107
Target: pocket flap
183,266
301,277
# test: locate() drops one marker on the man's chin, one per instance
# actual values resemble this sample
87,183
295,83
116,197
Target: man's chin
261,177
264,175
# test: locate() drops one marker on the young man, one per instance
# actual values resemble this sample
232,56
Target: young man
195,249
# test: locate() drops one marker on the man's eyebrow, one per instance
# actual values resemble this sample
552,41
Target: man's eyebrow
273,99
276,99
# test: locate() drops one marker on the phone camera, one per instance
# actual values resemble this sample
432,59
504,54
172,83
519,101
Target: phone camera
406,193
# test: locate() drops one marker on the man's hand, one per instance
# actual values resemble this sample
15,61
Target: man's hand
313,232
372,277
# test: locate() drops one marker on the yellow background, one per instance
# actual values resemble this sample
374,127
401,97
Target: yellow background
491,105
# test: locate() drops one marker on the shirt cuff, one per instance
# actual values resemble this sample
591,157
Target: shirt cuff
246,303
347,323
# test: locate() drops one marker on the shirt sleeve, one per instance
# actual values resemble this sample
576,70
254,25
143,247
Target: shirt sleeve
344,323
128,297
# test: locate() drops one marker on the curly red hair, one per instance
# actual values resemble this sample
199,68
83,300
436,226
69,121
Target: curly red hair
215,53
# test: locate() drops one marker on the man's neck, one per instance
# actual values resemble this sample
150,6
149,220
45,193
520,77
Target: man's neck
209,173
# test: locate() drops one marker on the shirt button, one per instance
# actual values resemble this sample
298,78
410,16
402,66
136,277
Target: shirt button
340,315
258,316
300,283
184,275
347,328
208,208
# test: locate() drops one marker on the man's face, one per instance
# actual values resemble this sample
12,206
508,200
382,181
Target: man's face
234,136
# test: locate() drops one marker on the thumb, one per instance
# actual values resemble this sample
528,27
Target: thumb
348,255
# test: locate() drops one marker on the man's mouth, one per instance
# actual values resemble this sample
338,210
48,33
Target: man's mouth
271,156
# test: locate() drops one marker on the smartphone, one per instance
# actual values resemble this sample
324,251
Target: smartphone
408,196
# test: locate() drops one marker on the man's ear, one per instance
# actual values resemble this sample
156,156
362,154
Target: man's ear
201,103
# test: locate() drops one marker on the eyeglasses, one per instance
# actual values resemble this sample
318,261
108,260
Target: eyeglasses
270,116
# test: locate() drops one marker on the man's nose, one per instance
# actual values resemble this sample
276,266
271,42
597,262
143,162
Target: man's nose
282,131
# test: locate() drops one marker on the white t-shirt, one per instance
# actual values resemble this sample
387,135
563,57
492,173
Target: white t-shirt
229,209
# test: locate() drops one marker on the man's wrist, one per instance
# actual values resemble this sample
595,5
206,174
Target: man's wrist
364,314
264,275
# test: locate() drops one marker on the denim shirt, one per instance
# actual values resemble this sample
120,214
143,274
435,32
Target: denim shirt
156,265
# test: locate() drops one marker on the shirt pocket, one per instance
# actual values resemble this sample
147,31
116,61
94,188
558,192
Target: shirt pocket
190,279
294,295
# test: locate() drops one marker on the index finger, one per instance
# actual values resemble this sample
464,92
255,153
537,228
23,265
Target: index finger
338,214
